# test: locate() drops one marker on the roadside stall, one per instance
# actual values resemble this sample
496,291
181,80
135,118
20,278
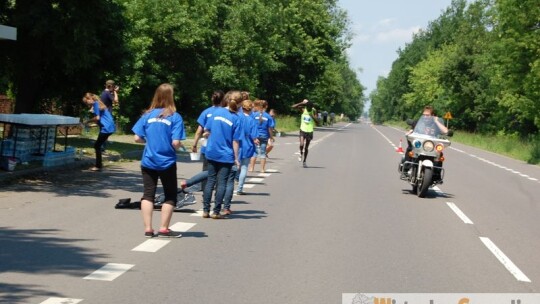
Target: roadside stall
33,137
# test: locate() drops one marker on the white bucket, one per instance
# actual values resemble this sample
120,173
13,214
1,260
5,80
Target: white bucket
11,164
195,156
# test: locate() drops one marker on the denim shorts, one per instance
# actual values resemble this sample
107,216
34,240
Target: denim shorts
260,151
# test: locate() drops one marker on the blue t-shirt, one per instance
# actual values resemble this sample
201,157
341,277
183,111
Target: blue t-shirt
263,121
249,133
224,127
203,119
107,98
159,153
106,121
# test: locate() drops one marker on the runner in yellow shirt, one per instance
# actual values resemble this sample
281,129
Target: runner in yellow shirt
307,124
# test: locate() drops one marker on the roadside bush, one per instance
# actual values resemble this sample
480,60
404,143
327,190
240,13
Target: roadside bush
535,150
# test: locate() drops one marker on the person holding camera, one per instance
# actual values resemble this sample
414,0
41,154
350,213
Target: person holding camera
109,96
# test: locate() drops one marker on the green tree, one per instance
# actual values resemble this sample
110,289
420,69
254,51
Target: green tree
63,49
515,63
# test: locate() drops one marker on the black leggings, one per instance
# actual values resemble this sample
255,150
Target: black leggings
168,181
102,137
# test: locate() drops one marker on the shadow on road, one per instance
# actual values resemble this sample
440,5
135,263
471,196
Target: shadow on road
431,194
79,182
248,214
41,251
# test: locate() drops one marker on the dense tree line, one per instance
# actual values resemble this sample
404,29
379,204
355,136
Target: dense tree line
279,50
480,61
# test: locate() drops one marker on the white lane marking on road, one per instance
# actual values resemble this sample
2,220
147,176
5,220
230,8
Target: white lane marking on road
182,227
514,270
384,136
249,186
344,127
256,180
272,171
315,142
497,165
151,245
109,272
264,174
61,301
459,213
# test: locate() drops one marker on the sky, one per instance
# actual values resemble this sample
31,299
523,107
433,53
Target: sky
380,28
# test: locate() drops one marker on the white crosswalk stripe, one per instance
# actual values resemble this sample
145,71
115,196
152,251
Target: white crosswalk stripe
109,272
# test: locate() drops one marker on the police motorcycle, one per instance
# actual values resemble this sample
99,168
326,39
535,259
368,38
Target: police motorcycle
422,167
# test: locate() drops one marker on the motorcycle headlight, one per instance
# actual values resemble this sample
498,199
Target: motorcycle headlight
428,146
439,147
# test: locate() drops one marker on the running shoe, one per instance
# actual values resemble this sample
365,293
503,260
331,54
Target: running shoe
168,233
216,216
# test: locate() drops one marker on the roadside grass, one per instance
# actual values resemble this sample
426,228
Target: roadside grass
114,147
286,123
527,150
122,144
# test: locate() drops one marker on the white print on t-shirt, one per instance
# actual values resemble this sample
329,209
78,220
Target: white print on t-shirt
165,121
225,120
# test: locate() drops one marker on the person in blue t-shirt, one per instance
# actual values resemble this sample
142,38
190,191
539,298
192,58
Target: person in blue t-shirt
265,125
270,145
237,97
222,152
161,128
217,99
106,124
248,142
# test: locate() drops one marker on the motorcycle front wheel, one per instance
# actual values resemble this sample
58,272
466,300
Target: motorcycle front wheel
425,181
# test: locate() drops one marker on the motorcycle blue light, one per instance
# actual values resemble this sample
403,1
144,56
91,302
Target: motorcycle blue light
417,144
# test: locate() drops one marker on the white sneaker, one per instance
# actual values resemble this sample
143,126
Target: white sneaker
300,158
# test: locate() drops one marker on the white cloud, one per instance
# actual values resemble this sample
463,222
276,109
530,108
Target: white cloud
362,38
397,35
385,23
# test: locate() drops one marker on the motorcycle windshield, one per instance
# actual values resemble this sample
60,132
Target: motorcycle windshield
426,125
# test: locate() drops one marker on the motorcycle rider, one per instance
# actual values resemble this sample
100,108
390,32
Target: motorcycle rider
431,121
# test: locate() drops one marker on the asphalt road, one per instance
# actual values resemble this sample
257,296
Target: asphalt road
345,224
